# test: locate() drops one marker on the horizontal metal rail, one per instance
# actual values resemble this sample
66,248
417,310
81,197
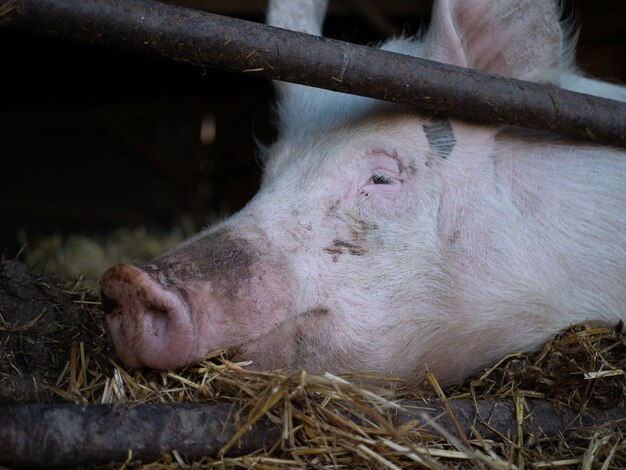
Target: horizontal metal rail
213,41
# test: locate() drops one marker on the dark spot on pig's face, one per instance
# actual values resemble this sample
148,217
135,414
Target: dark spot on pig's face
334,252
401,168
211,255
356,250
341,246
334,207
316,312
220,257
355,241
440,137
454,238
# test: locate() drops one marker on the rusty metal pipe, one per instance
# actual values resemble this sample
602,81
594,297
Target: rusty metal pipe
208,40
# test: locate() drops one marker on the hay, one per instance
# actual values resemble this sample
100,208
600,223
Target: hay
328,421
8,7
89,257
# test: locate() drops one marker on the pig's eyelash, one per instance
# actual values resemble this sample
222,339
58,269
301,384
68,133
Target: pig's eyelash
379,178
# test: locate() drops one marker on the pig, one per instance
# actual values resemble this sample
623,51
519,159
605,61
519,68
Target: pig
386,240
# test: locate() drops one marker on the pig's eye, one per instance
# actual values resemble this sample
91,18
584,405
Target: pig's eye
379,178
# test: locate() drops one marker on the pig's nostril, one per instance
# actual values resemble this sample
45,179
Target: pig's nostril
108,304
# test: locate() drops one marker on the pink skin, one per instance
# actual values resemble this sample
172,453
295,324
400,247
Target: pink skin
156,319
383,240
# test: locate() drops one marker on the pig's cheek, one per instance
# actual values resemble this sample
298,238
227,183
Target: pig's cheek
227,315
303,342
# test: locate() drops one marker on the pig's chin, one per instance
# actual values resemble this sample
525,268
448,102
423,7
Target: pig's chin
136,351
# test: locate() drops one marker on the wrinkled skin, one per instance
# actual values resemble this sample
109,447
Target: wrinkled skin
383,240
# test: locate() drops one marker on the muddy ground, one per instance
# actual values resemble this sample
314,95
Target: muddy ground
41,319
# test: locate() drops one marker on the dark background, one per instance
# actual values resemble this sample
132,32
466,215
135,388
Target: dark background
92,139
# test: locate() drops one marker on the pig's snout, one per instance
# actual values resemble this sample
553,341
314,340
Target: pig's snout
150,324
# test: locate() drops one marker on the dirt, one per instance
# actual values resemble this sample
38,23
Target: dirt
41,320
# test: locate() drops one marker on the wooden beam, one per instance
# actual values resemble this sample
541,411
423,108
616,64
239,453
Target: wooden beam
34,435
209,40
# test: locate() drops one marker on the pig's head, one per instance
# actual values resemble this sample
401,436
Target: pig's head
342,260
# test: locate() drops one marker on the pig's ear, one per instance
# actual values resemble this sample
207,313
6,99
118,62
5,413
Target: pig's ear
305,16
514,38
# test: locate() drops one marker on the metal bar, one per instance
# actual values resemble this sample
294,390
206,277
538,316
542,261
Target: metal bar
208,40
